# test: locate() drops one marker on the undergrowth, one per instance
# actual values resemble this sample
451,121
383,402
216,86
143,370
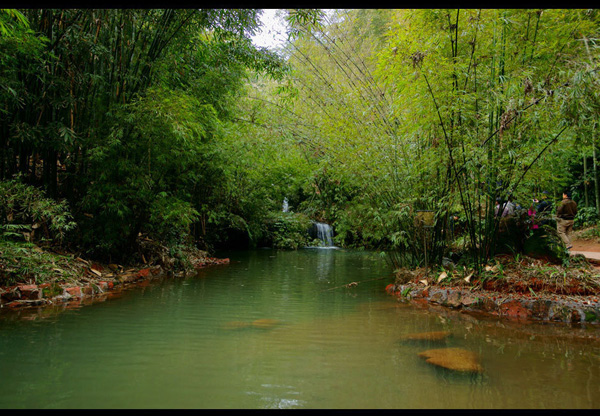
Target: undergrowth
24,262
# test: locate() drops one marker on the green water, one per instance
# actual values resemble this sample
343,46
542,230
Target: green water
172,345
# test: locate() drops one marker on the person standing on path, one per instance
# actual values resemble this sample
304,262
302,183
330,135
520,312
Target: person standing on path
565,216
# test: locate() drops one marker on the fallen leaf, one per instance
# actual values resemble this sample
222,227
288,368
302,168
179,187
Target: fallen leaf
424,281
96,272
442,276
468,278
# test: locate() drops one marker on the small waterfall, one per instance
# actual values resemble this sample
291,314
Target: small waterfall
323,232
286,207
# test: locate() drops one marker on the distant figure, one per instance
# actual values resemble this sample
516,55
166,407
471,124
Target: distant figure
531,212
509,208
543,209
544,206
565,217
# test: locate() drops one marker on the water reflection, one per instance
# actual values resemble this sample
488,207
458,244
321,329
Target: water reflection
302,340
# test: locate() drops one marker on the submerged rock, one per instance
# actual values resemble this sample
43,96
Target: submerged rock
265,323
427,336
456,359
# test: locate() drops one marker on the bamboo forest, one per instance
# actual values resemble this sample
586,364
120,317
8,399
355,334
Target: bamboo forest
388,208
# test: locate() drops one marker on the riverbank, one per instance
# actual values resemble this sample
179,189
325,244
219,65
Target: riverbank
66,280
513,287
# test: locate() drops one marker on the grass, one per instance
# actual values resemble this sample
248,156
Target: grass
23,262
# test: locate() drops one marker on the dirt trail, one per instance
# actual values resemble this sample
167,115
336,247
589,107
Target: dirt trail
590,248
586,245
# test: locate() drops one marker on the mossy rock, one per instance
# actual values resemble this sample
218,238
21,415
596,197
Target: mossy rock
53,290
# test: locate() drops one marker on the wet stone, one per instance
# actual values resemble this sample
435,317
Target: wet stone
453,299
30,292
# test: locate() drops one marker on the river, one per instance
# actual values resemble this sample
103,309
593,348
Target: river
277,329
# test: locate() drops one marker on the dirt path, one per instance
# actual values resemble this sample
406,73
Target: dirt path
589,248
586,245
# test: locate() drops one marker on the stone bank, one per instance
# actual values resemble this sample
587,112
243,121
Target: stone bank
95,286
558,308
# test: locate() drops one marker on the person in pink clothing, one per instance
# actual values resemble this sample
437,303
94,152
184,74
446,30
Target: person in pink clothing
531,212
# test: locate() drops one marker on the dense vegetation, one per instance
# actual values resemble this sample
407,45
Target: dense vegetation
170,126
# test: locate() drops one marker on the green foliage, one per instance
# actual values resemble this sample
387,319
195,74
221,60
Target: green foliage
445,110
25,212
586,217
121,112
24,262
11,19
146,171
169,125
287,230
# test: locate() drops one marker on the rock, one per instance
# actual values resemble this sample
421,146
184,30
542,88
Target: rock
453,300
87,290
468,299
30,292
514,309
74,291
448,263
143,273
456,359
127,277
11,294
427,336
62,298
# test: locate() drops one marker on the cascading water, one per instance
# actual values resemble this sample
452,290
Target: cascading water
324,233
286,206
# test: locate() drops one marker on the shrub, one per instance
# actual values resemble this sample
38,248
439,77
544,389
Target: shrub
586,217
288,230
25,212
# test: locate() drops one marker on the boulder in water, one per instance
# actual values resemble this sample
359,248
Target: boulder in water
456,359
